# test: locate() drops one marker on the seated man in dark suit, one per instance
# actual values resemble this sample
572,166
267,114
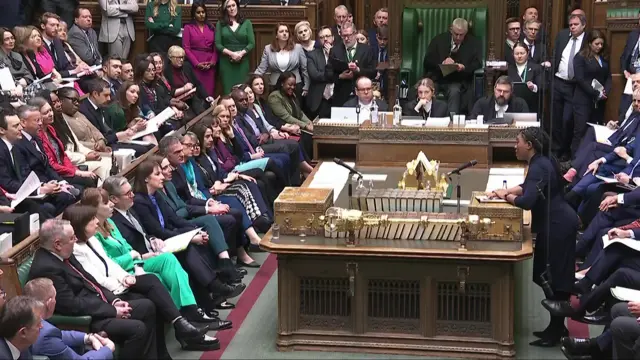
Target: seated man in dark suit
20,324
33,151
14,169
502,101
131,323
59,344
93,108
364,99
626,127
49,24
454,47
134,227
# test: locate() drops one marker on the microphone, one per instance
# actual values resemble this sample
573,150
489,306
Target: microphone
351,170
462,167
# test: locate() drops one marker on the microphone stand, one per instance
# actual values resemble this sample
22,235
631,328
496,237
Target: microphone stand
350,187
458,191
358,114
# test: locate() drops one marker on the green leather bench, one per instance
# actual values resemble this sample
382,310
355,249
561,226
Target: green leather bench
80,323
420,25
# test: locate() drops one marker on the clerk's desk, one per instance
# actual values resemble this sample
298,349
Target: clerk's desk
396,145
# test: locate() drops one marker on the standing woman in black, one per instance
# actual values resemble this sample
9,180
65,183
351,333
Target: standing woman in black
524,70
554,222
590,64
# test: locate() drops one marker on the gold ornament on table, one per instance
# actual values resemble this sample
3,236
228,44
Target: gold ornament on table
422,174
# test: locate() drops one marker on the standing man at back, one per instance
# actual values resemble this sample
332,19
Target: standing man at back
455,47
116,28
568,44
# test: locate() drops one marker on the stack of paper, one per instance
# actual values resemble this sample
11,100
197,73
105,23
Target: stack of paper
602,133
154,124
438,122
179,242
331,176
628,242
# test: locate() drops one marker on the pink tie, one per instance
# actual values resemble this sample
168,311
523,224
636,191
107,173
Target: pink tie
251,150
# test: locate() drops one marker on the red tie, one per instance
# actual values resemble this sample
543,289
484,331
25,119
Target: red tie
633,225
95,287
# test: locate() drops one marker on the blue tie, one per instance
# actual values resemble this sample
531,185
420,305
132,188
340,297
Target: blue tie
155,203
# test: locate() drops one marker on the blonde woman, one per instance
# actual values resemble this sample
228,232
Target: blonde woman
163,18
304,35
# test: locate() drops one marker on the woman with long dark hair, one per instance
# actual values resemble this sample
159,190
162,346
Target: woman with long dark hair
125,112
153,95
554,222
12,60
234,40
198,41
590,65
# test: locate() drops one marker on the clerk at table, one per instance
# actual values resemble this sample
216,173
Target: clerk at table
502,101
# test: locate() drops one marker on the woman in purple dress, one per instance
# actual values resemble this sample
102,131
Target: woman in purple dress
198,41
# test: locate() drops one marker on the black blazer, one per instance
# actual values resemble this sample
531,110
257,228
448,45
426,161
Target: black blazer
179,180
562,39
343,88
486,106
173,224
96,117
59,57
135,238
33,160
316,66
585,71
539,52
353,102
75,296
627,53
440,48
439,109
534,74
211,175
10,178
36,70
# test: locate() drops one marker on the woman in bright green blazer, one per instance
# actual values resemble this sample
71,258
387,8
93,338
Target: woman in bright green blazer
163,265
163,18
234,39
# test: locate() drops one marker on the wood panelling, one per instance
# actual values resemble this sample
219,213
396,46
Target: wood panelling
263,17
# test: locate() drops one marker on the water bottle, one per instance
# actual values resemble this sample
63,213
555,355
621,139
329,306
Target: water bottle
397,112
374,114
504,184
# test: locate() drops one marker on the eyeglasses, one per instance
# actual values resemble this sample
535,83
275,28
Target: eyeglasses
177,57
189,145
72,99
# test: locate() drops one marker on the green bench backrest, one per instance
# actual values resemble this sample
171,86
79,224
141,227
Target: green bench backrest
435,21
23,271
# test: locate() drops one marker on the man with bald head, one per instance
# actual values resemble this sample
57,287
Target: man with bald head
364,99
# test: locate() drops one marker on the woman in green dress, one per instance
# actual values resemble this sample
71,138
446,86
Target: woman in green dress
163,18
234,40
163,265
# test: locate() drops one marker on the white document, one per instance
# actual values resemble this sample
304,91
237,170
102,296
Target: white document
6,79
625,294
486,199
630,243
179,242
628,87
595,84
602,133
412,123
30,184
154,123
137,142
507,171
6,240
331,176
438,122
607,180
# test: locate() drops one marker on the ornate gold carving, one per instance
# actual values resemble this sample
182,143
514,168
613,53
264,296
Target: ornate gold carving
336,130
426,135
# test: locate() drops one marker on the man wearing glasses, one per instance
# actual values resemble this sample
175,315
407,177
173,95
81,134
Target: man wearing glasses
513,35
348,62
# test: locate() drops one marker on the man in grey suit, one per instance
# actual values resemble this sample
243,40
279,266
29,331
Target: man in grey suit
626,330
20,325
321,85
83,39
117,25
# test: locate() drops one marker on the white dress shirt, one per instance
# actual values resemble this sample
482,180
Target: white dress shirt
15,352
563,68
500,110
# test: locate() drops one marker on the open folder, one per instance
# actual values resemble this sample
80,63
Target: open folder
602,133
448,69
154,123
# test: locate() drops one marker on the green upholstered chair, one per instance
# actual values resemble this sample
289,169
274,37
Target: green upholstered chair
80,323
421,24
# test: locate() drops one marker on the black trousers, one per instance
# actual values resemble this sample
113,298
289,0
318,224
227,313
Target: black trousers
136,335
624,277
582,114
150,287
617,216
286,146
231,224
199,264
59,202
561,127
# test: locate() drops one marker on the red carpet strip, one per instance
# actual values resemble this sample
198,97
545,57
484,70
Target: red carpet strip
243,306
